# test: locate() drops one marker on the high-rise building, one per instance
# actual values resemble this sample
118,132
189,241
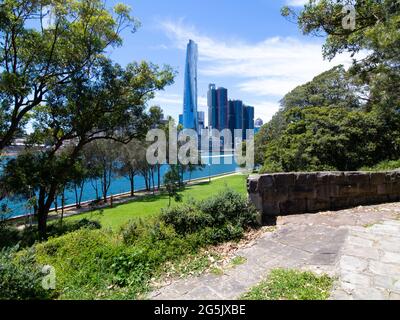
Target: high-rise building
248,120
228,114
217,101
222,107
212,107
190,115
238,113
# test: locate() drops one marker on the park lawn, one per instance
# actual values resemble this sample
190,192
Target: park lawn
151,205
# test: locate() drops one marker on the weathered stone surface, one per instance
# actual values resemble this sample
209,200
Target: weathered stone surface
363,259
293,193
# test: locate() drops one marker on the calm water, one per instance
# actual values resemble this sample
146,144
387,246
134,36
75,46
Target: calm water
122,185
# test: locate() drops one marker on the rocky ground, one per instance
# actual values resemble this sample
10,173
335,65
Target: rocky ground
360,247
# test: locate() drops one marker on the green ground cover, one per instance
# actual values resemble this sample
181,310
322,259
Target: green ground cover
151,205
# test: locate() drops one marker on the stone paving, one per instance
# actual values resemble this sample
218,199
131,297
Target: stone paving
360,247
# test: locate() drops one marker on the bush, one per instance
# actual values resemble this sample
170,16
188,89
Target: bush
186,218
11,236
20,276
384,166
228,208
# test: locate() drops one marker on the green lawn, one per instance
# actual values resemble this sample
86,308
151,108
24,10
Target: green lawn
152,205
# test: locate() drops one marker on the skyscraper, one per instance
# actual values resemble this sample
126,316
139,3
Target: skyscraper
238,113
222,107
212,107
190,115
248,123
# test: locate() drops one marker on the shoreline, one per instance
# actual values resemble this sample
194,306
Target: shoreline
118,199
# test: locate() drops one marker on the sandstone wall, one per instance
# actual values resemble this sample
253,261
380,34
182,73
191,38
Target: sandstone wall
294,193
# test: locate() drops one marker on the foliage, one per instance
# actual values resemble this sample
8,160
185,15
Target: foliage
20,276
228,211
151,205
384,166
341,120
100,264
40,54
291,285
11,236
323,138
172,183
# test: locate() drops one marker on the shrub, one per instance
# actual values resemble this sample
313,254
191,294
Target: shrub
20,276
384,166
11,236
230,206
186,218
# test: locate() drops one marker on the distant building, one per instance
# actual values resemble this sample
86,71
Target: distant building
201,116
228,114
248,122
222,108
190,115
181,119
258,123
237,107
217,101
212,106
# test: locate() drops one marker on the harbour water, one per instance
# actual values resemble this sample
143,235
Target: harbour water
121,185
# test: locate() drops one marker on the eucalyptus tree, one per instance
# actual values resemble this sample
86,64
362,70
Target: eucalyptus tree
47,44
130,157
108,103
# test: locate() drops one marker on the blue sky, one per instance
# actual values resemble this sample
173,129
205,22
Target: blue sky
245,46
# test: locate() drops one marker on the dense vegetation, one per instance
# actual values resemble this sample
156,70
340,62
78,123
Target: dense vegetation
342,119
105,264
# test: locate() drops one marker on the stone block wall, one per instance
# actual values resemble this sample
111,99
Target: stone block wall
295,193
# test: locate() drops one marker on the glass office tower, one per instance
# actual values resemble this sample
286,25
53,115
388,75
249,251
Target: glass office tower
212,107
248,120
190,115
222,107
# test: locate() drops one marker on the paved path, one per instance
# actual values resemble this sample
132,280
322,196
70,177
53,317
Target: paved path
359,246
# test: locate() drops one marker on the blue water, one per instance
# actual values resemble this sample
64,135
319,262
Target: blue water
122,185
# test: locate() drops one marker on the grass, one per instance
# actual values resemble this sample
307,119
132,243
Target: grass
151,205
291,285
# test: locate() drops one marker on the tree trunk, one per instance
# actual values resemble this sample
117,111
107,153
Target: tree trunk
152,177
76,195
81,194
132,180
158,177
105,186
62,205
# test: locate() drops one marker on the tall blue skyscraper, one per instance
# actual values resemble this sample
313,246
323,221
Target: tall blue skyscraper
190,115
222,108
212,107
237,106
248,122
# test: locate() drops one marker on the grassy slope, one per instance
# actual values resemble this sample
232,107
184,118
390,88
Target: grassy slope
152,205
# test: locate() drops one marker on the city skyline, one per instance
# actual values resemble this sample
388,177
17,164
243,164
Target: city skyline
259,61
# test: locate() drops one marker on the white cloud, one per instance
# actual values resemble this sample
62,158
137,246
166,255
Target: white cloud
265,70
296,3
